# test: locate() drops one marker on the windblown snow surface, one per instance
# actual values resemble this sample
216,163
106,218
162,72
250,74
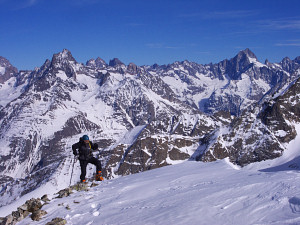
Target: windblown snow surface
189,193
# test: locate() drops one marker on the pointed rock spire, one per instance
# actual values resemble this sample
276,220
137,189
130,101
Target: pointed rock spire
132,68
98,63
6,70
268,63
62,57
248,53
114,62
238,64
64,61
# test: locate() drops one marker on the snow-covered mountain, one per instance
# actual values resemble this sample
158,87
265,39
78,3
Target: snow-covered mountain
142,117
231,85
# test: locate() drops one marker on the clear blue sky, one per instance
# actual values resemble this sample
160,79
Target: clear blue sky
148,31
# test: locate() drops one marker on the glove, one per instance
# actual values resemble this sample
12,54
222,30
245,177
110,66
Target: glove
75,152
95,146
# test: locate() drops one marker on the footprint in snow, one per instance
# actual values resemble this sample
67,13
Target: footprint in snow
96,207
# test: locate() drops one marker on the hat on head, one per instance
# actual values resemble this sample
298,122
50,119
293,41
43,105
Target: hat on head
85,137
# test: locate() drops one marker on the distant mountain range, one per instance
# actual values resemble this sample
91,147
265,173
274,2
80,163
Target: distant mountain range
142,117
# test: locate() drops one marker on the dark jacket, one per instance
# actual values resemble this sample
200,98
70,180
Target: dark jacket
85,149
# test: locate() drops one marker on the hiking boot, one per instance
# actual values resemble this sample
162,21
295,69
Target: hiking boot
99,176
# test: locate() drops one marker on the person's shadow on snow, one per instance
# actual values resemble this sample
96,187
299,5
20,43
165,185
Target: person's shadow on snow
295,204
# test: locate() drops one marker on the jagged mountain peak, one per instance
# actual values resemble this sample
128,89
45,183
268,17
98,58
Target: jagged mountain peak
4,61
179,63
247,52
98,63
65,54
286,60
7,70
6,64
244,58
289,65
154,66
62,57
132,68
64,61
114,62
239,64
267,61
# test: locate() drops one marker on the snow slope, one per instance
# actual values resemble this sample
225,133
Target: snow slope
188,193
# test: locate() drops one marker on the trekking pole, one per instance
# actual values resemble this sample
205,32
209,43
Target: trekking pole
72,169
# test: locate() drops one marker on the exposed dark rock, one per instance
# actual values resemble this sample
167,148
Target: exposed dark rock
98,63
57,221
132,68
6,70
64,193
8,220
80,187
176,154
33,204
37,215
34,207
115,62
45,198
103,78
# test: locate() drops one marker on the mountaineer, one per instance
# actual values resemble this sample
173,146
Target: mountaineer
85,148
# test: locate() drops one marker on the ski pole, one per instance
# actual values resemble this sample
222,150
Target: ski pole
72,169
